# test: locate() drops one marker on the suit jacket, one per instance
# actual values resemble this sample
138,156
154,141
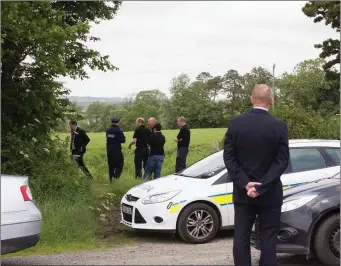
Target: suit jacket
256,149
81,141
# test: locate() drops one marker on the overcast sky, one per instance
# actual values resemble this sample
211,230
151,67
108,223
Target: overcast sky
152,42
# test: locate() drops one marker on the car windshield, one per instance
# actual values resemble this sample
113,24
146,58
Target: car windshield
205,168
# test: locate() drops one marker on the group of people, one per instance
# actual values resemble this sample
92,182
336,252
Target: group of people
256,154
149,151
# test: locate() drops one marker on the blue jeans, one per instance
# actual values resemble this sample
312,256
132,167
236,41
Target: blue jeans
154,165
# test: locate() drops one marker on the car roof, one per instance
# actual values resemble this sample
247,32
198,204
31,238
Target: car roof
314,142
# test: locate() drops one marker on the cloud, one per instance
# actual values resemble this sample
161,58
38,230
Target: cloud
151,42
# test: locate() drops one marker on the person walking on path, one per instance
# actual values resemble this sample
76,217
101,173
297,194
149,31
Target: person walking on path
157,153
256,153
140,139
183,140
114,138
79,141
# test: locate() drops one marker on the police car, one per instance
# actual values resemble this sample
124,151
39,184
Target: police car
197,203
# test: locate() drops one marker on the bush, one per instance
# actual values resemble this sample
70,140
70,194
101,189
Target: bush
59,188
52,174
308,124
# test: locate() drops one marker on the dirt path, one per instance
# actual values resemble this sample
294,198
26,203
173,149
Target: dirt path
157,250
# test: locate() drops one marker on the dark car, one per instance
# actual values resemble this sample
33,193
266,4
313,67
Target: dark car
310,221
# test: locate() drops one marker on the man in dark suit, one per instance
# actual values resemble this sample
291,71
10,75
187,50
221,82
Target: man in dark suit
256,153
79,141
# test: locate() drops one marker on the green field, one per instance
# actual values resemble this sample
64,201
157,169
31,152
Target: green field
76,224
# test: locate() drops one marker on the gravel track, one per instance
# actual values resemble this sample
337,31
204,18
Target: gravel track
155,250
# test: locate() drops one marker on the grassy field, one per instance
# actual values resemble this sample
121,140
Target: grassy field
96,160
92,221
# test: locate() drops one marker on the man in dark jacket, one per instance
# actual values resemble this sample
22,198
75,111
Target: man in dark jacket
183,139
157,154
140,139
79,141
256,153
115,137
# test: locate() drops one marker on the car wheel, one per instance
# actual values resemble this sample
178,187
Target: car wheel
198,223
327,241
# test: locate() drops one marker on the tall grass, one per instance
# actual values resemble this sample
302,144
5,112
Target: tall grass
76,211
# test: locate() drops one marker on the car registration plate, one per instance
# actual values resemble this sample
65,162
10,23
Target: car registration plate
127,210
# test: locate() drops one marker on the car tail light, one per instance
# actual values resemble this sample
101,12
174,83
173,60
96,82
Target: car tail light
26,193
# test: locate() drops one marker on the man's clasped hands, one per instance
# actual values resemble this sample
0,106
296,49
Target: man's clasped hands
251,190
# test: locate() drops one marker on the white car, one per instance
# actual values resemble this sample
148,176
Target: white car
197,202
21,221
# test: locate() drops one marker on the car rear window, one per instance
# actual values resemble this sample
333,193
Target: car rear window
305,159
335,154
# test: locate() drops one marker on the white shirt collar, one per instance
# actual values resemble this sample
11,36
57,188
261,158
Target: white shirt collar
262,108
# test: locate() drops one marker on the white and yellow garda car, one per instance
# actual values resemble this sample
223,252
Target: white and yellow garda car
197,202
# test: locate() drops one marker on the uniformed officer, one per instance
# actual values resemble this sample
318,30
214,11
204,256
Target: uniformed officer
115,137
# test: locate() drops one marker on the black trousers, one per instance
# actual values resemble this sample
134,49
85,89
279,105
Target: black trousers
140,160
78,157
269,222
115,163
181,157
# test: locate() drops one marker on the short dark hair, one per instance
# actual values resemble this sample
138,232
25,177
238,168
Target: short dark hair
73,122
157,126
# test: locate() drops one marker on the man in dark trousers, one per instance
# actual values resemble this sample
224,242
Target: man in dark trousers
79,141
183,139
256,153
115,137
140,138
157,154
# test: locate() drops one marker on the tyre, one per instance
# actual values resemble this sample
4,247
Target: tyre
198,223
327,241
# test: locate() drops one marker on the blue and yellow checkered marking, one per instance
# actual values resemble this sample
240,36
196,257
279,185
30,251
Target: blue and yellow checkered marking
227,198
222,199
293,185
176,206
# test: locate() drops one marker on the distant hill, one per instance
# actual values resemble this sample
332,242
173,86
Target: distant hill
87,100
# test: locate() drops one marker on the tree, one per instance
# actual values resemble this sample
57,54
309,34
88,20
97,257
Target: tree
179,83
42,41
233,88
258,75
204,77
153,98
329,12
214,86
303,85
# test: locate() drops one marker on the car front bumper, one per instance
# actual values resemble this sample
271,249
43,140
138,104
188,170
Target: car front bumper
293,236
158,216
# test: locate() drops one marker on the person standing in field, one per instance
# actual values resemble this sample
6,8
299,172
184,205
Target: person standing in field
183,139
256,154
115,137
79,141
157,153
140,138
151,123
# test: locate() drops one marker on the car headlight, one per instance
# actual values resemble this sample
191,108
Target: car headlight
297,202
160,197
